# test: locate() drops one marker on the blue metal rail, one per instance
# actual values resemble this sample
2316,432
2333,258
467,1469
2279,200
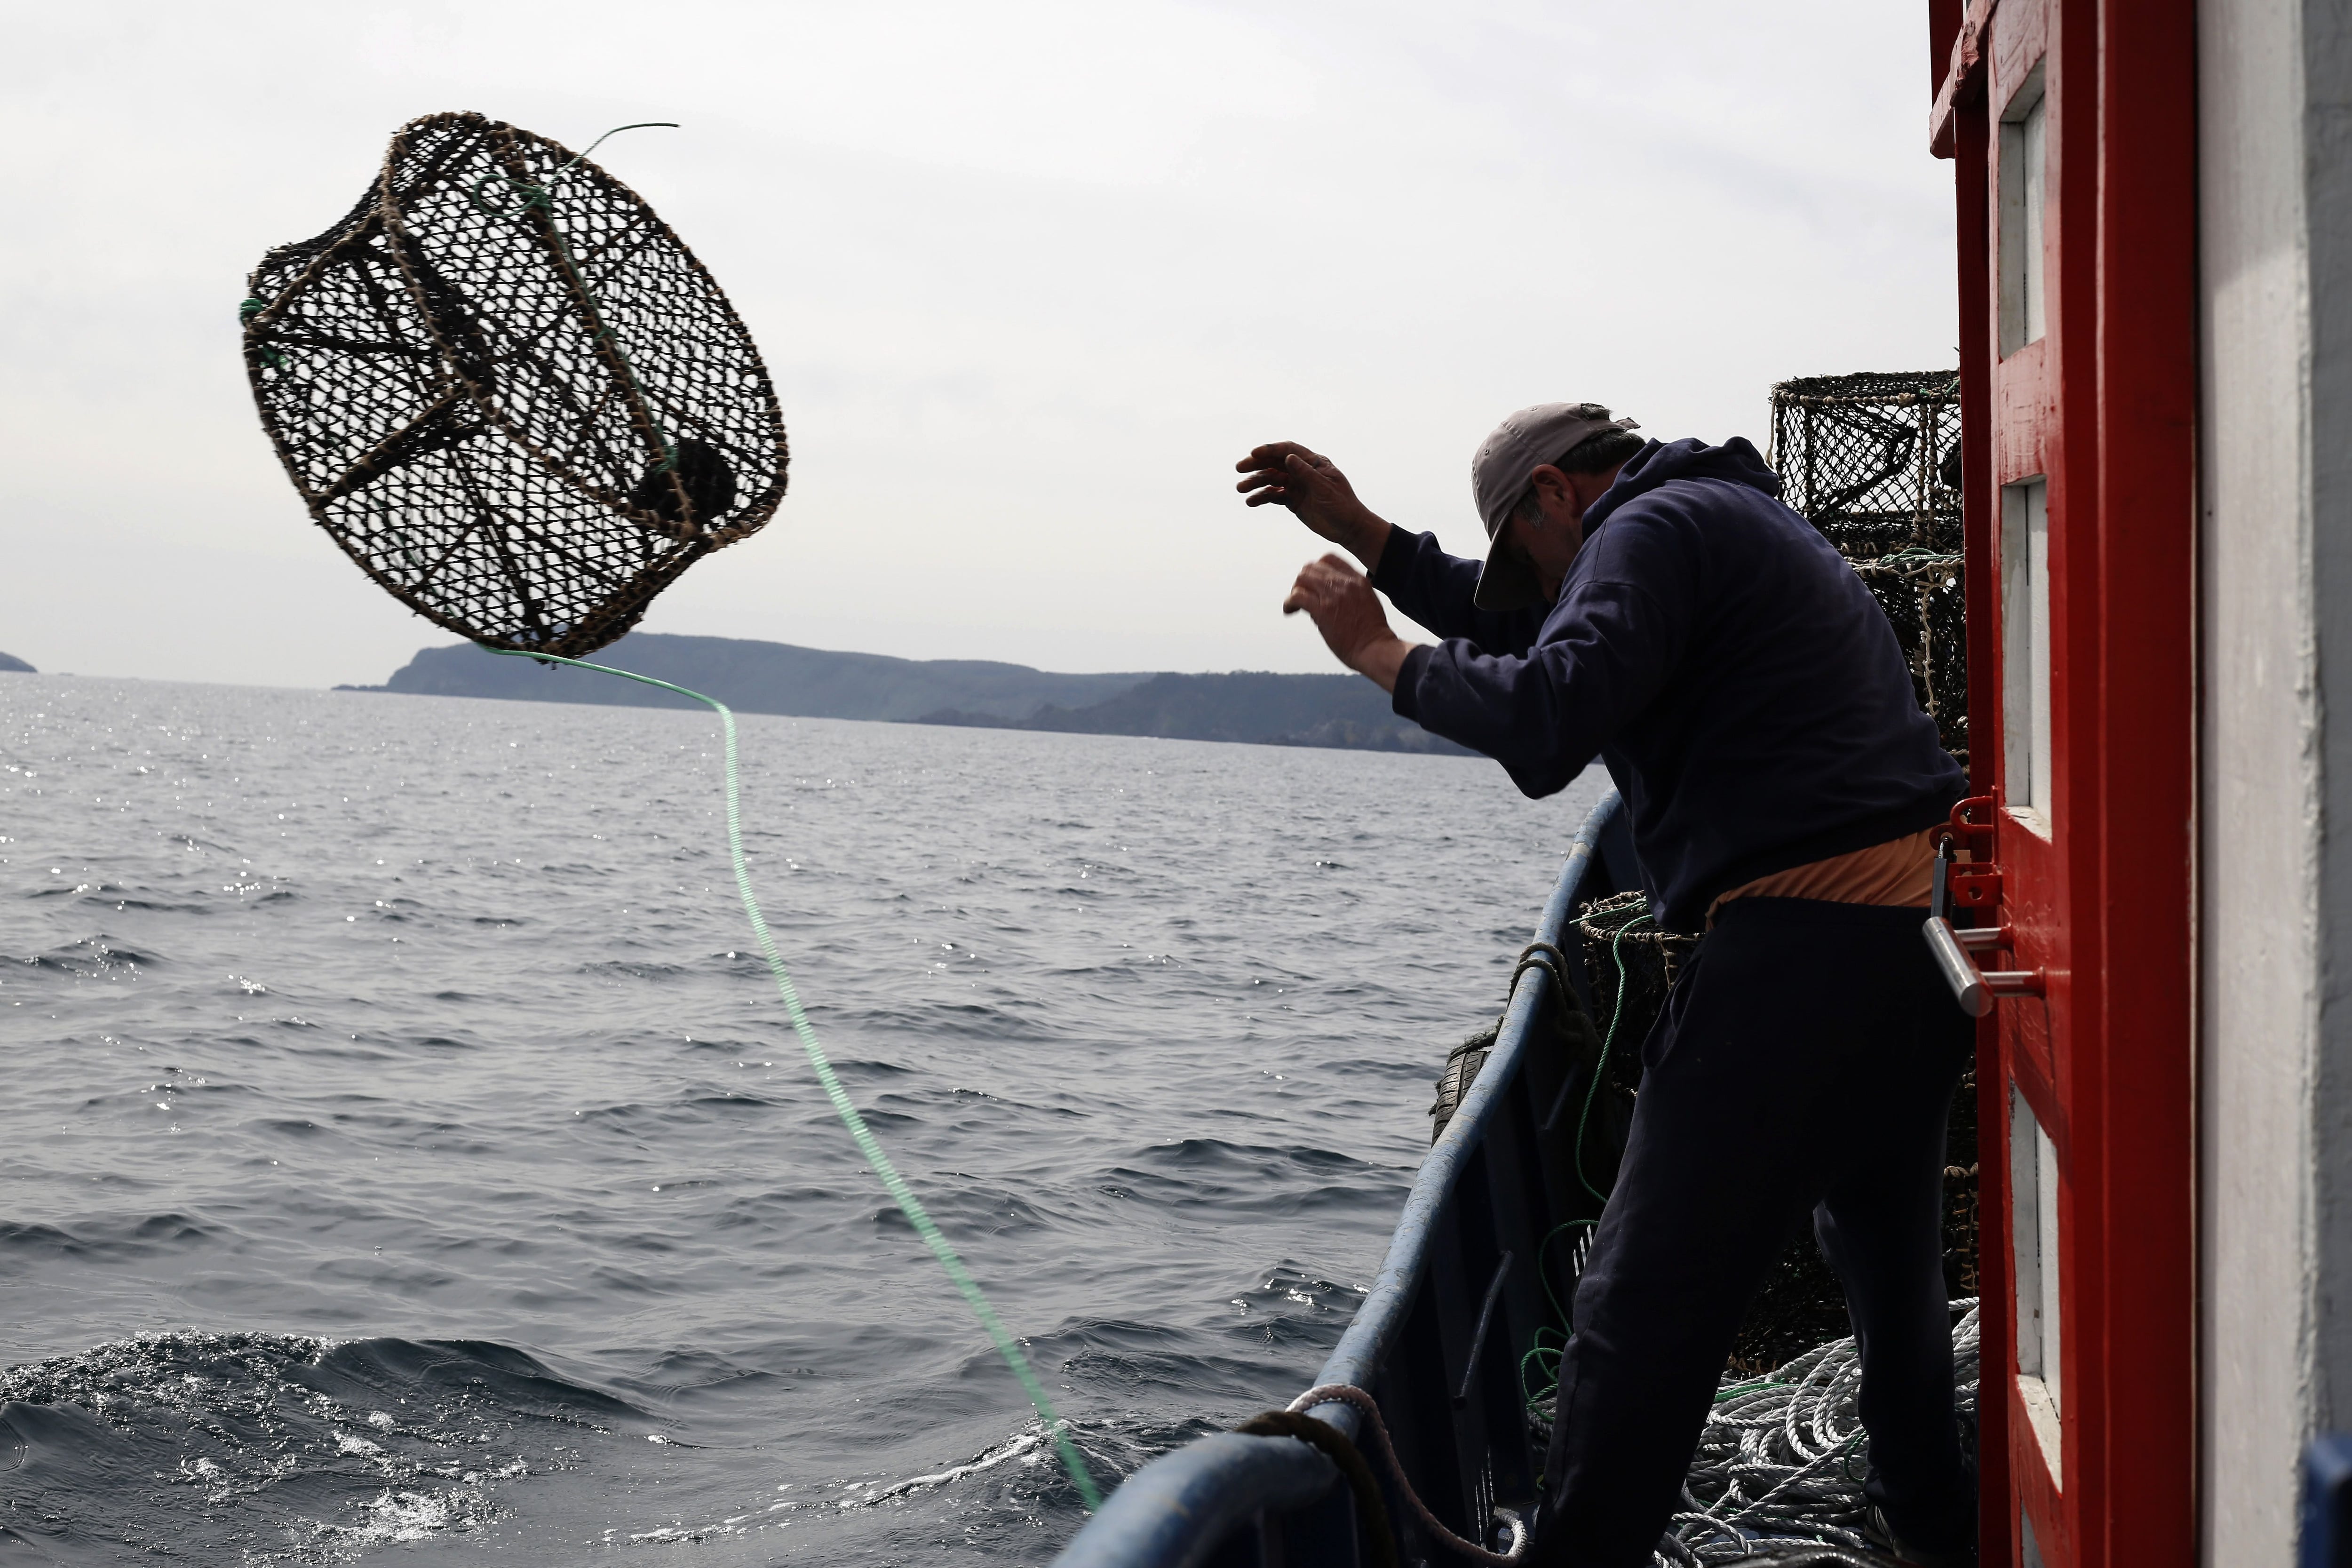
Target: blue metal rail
1439,1338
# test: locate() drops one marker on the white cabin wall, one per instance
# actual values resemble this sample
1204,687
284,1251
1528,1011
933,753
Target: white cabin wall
2327,230
2258,785
2274,904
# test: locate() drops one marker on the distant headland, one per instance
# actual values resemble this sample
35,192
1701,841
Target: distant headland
1250,706
1253,706
11,665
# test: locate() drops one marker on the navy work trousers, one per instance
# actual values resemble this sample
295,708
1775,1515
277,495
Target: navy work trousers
1805,1061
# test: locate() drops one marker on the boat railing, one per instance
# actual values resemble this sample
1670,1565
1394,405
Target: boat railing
1470,1276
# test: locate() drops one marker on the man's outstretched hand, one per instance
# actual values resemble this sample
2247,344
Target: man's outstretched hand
1349,615
1286,474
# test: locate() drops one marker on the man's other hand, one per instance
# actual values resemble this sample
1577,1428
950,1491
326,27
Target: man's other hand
1286,474
1348,613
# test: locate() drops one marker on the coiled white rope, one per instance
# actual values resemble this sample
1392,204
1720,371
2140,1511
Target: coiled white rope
1779,1463
1348,1394
1780,1458
1775,1477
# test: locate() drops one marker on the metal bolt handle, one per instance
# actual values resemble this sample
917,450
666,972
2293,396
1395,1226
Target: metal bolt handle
1976,989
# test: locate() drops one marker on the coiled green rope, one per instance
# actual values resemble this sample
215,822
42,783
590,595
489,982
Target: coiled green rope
1546,1358
867,1144
1600,1067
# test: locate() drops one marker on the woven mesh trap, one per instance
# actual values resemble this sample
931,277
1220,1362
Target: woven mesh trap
1872,459
510,393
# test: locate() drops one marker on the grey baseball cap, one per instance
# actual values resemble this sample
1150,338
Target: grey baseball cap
1499,473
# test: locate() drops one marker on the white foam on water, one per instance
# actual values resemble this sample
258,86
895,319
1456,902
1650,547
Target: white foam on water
1024,1446
412,1516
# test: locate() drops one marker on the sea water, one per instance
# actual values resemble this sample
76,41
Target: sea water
403,1148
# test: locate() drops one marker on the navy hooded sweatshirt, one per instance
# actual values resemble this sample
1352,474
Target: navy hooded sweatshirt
1711,647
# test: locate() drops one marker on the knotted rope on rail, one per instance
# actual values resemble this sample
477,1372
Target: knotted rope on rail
1379,1546
1348,1394
1465,1061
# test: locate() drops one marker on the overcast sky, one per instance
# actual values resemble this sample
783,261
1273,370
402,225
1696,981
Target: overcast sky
1029,277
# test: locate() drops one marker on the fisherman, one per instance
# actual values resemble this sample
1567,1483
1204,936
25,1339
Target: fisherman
1655,604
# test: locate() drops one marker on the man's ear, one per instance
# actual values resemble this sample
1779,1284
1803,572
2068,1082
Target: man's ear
1555,491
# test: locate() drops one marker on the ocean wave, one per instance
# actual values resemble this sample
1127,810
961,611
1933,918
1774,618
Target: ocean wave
282,1448
1150,1029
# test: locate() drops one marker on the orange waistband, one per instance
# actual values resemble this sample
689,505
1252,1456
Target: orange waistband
1901,871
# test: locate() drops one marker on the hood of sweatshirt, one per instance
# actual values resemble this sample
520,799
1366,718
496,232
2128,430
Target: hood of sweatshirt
1662,462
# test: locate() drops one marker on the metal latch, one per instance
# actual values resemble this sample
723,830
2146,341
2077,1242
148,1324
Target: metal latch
1976,989
1976,884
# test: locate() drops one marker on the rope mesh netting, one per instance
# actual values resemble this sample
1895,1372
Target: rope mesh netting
1873,460
510,392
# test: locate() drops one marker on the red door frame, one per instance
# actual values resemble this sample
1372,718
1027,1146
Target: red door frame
2104,408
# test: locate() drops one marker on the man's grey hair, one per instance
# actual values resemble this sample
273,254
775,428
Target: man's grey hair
1596,454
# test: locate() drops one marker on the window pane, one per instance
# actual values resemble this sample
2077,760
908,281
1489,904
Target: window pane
2036,198
2025,650
2024,199
2034,1183
2026,1173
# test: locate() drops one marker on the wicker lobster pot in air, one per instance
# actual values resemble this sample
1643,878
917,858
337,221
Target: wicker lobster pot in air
510,393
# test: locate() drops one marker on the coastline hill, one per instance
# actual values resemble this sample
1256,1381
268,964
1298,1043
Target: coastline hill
1251,706
1343,711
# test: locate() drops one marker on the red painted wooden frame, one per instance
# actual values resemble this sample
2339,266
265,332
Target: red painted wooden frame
2103,406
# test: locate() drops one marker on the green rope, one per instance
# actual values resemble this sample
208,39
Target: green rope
253,306
1601,1066
1567,1331
1734,1390
1548,1369
1583,1119
867,1144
